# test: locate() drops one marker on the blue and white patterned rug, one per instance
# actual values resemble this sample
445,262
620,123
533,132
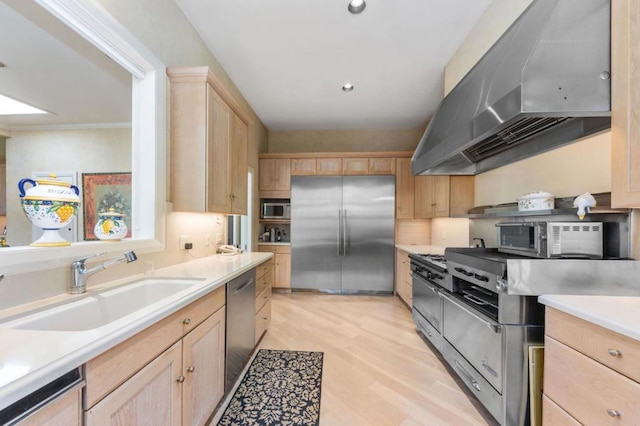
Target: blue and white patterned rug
279,388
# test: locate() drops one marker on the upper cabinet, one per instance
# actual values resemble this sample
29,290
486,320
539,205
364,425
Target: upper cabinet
625,103
443,196
275,178
405,189
209,137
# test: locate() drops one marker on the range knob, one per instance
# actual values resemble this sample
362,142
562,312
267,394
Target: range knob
502,285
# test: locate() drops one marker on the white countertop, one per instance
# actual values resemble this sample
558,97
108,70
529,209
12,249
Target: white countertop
30,359
281,243
420,249
616,313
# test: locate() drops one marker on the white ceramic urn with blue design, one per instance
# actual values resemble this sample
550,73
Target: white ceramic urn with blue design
49,204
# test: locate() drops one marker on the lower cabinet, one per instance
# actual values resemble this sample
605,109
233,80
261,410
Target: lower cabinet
64,410
282,264
172,373
264,283
591,374
404,287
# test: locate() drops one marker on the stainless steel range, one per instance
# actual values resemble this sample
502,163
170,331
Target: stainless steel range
479,308
479,332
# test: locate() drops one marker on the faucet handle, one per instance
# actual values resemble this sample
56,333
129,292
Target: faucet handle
81,261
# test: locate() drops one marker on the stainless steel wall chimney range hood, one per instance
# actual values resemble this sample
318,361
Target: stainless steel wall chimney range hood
543,84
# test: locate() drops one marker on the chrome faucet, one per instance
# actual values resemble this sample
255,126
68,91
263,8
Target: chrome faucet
80,273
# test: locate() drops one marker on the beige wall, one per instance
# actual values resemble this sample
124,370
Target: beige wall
344,140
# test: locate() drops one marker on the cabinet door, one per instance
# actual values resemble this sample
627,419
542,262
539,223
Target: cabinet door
267,174
218,139
150,397
329,166
382,166
282,270
461,198
239,167
64,410
203,369
404,189
355,166
282,179
625,104
303,166
399,281
424,197
441,195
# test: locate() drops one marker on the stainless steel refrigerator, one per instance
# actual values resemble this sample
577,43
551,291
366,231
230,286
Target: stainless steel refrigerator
342,233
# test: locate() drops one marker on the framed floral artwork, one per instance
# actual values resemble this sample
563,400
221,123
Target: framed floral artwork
102,191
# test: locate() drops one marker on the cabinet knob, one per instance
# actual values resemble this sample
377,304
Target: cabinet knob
180,379
191,369
614,353
614,413
186,321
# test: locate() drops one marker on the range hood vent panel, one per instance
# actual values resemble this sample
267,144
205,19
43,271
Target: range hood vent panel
548,75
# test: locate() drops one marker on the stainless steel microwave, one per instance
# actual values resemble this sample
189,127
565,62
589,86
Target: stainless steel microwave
276,211
551,239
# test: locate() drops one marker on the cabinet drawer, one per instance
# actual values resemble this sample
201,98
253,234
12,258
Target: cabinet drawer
612,349
554,415
586,389
276,249
263,268
111,368
261,284
262,298
263,318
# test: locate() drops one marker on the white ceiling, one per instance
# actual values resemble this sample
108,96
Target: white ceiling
52,68
290,58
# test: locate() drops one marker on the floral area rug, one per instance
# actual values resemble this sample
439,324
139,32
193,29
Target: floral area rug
279,388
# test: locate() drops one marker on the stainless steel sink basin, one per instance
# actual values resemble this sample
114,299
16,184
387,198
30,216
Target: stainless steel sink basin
99,309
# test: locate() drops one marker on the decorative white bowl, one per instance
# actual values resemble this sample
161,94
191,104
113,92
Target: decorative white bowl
110,226
49,204
536,201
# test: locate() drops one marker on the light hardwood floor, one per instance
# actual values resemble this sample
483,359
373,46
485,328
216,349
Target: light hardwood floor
377,370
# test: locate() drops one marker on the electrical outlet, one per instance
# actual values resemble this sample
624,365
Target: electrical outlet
184,239
207,240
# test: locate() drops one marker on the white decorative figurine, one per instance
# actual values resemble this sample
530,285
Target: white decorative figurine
583,203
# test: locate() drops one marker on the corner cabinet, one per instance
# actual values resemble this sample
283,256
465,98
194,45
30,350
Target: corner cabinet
404,286
208,144
625,104
282,264
170,373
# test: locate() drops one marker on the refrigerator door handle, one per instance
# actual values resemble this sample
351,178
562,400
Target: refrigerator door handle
339,252
344,234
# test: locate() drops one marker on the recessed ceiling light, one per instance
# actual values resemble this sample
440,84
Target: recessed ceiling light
347,87
356,6
9,106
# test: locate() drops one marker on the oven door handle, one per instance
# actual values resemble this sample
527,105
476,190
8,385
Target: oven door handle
496,327
475,300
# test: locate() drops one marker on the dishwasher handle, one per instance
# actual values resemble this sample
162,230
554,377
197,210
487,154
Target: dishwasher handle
243,286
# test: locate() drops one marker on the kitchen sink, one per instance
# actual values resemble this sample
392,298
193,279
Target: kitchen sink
99,309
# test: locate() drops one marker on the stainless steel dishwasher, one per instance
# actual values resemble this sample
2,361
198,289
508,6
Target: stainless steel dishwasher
240,324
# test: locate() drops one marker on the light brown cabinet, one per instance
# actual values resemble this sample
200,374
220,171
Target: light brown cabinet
625,104
355,166
404,287
591,374
170,372
405,189
329,166
442,196
303,166
64,410
382,166
264,283
208,145
281,266
274,178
